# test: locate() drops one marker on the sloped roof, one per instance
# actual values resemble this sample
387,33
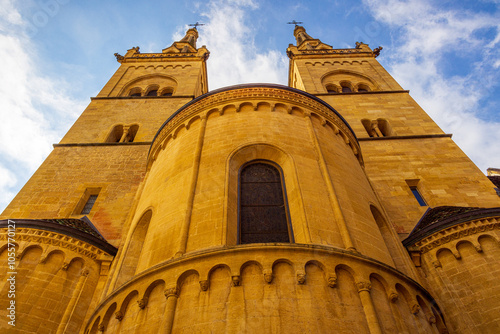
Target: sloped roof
441,217
495,179
81,229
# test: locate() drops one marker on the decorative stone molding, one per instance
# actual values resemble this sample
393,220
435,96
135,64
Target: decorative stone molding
332,280
235,280
432,319
268,275
301,276
101,328
119,315
142,302
204,285
287,96
35,236
415,308
456,232
393,297
173,292
65,266
364,286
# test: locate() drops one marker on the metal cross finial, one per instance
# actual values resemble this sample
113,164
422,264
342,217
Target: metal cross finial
196,25
294,22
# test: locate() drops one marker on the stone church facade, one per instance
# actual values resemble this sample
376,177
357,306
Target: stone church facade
333,204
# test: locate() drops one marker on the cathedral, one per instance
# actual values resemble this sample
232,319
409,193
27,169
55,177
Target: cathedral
334,204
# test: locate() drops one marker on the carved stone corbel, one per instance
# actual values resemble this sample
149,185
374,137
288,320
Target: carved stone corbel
332,280
142,303
119,315
364,286
235,280
301,276
101,328
393,297
268,275
171,292
415,308
204,285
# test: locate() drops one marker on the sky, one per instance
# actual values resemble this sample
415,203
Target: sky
56,54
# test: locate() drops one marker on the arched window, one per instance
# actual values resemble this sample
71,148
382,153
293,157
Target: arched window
167,91
346,89
331,89
263,214
116,134
153,92
136,91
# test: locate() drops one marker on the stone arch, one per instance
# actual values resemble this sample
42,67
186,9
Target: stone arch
383,304
181,279
134,250
354,78
443,256
28,248
192,120
388,237
152,286
427,312
95,327
136,91
274,154
142,82
214,112
152,90
251,262
126,301
115,134
245,105
107,316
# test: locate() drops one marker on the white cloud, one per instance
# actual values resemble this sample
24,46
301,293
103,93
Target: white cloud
28,100
234,57
426,34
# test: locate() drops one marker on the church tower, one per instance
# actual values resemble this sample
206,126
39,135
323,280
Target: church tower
333,202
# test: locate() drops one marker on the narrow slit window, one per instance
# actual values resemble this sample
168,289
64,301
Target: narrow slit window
89,204
418,196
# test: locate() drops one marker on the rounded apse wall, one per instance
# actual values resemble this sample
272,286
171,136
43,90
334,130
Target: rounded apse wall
193,187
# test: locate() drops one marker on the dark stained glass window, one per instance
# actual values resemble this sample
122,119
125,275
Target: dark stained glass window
88,206
262,210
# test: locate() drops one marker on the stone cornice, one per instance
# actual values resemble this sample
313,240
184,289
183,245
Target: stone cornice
37,236
102,144
242,93
60,232
455,232
442,135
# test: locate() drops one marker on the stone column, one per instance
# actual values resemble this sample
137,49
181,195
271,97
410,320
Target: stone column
370,313
192,188
168,318
72,302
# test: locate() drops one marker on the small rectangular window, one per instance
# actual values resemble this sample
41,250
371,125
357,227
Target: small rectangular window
88,205
418,197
